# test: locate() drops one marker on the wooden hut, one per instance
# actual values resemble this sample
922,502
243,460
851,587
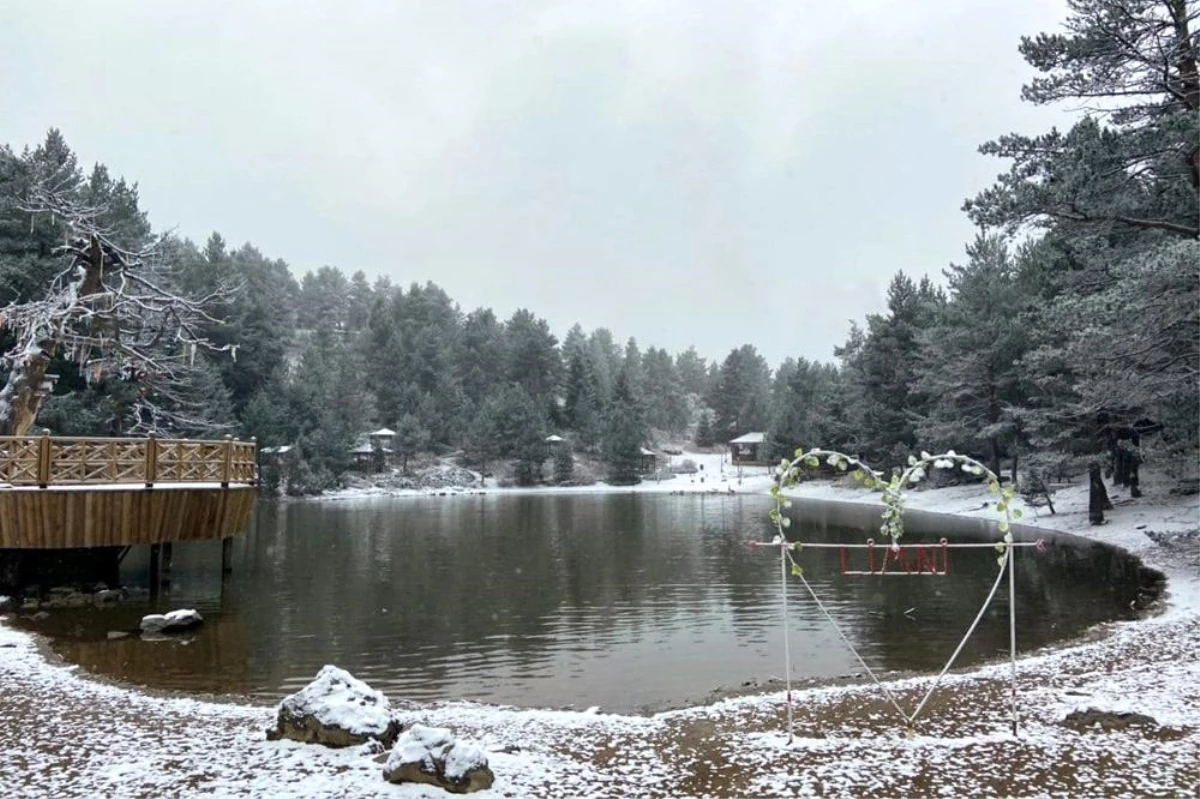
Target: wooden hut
375,451
383,438
649,461
553,444
748,449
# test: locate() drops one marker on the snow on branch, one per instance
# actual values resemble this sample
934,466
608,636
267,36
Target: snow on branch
113,311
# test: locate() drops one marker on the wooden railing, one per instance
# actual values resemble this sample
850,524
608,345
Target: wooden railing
48,461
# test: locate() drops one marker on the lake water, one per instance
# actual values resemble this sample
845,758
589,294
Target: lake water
629,602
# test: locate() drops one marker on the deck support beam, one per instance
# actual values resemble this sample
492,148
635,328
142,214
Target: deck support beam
155,558
226,555
168,555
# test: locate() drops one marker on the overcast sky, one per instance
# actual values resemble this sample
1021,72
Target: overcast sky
708,173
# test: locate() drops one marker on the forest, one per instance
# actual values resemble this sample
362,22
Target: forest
1066,341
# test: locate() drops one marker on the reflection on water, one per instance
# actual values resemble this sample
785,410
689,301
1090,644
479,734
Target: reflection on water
622,601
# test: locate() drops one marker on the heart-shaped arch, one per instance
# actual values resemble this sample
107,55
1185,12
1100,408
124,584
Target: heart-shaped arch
787,475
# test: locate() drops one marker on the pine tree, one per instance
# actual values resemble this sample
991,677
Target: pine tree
969,357
581,405
624,434
804,408
693,372
564,463
411,438
704,430
881,364
531,358
510,425
741,397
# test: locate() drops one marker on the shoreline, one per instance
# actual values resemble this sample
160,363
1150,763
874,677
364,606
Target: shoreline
730,746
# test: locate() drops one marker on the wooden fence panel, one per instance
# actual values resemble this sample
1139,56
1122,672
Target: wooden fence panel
49,461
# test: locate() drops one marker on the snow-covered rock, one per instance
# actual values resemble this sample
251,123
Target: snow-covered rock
433,756
109,596
336,709
174,622
446,476
7,603
1093,719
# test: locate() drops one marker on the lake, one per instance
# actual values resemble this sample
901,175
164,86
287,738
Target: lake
632,602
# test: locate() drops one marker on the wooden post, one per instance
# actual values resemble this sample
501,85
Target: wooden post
43,462
227,464
151,460
168,553
227,555
155,550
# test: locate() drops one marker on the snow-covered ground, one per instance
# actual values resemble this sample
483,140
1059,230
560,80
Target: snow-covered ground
714,475
64,735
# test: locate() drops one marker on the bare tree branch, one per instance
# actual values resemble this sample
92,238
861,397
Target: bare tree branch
111,310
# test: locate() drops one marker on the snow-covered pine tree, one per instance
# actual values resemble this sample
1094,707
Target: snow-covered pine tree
968,357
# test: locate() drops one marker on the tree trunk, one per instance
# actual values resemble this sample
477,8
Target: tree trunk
1189,78
994,456
1015,483
1120,465
1135,458
21,398
1097,495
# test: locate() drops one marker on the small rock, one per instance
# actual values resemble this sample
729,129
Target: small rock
431,755
173,622
115,634
108,596
372,747
30,604
41,614
65,598
335,710
1106,720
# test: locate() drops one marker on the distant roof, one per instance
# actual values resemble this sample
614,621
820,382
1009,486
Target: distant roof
750,438
383,431
366,448
647,451
282,450
553,439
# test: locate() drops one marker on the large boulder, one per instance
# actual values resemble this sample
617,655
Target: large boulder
431,755
176,621
337,710
1092,719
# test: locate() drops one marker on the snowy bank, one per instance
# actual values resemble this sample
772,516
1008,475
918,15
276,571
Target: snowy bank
65,735
714,475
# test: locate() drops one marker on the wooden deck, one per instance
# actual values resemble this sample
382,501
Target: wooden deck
60,493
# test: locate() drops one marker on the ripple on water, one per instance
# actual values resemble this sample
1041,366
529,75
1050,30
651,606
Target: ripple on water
619,601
